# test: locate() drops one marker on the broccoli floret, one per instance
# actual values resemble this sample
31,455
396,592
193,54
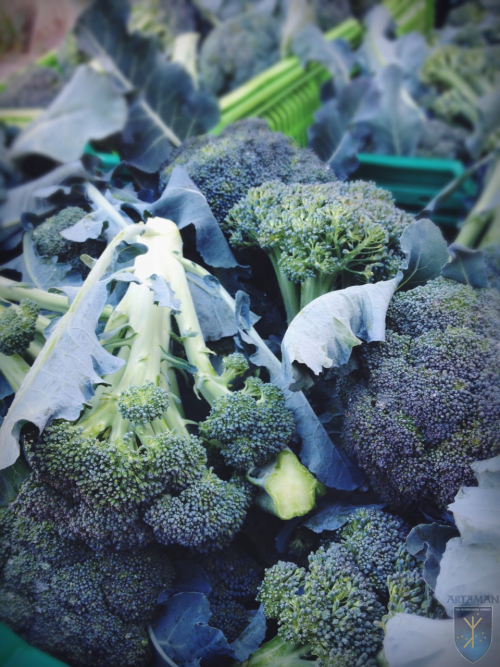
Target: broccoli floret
426,403
252,424
245,155
83,607
325,607
49,242
143,404
374,539
237,50
320,237
408,592
234,579
438,139
18,327
205,516
99,527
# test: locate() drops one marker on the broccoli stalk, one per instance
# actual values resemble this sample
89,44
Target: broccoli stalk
288,489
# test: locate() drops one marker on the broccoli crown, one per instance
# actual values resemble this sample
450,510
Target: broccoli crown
322,235
81,606
426,403
99,527
325,607
49,242
143,404
234,579
100,488
245,155
252,424
238,49
205,516
374,539
408,592
441,140
18,327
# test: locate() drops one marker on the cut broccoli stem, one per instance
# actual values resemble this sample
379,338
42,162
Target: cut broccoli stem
290,291
289,488
14,369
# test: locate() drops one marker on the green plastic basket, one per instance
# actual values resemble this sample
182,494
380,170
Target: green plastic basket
15,652
415,181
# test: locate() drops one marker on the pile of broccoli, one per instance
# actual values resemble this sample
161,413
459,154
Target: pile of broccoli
354,582
245,155
131,469
320,237
82,606
426,403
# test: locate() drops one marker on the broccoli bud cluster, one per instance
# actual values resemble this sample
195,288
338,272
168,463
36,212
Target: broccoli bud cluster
426,403
84,607
252,425
18,327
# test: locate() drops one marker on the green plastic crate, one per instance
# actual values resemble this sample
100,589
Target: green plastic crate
415,181
15,652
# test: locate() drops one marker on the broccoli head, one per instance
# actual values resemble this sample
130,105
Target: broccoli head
238,49
17,327
245,155
325,607
252,424
374,539
426,403
320,237
85,607
205,516
49,242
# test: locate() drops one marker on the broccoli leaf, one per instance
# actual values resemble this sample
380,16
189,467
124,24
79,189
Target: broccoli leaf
334,515
427,542
336,136
395,124
182,634
426,253
377,50
164,295
61,378
24,197
309,45
88,107
41,271
325,331
183,203
11,480
467,266
214,314
165,106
